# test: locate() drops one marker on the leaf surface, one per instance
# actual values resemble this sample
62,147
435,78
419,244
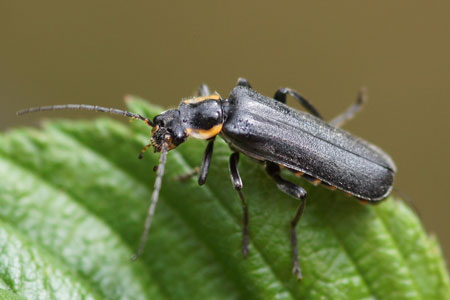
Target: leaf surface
74,196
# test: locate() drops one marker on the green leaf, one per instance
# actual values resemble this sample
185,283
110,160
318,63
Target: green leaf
74,196
8,295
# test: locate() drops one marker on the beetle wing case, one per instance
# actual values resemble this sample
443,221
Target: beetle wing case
266,129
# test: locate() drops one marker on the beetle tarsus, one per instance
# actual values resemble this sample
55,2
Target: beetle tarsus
245,237
297,271
295,266
350,113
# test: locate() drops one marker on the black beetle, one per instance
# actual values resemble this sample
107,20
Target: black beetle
267,130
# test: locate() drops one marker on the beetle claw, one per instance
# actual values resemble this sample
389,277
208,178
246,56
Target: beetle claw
297,271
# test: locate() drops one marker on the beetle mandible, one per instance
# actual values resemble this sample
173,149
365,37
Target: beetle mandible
268,130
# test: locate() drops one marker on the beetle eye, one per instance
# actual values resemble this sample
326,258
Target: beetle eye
159,121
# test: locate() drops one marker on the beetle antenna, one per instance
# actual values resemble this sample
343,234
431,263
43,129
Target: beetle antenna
154,201
408,200
86,107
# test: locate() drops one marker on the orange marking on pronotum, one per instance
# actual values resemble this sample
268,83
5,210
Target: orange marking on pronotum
200,99
204,134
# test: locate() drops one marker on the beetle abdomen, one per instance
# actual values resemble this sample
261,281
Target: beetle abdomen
265,129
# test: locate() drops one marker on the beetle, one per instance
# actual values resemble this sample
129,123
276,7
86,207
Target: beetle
268,130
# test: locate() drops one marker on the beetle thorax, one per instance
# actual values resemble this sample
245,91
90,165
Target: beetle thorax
202,119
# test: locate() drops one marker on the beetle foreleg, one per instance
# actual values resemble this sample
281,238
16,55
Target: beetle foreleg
352,110
237,183
202,171
297,192
280,95
205,162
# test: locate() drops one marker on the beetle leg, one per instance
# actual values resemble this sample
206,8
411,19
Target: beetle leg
352,110
243,82
280,95
205,162
296,268
203,91
187,176
297,192
237,183
202,171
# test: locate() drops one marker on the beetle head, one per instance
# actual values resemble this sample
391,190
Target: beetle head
168,129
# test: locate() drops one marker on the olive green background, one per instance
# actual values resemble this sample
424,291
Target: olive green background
95,52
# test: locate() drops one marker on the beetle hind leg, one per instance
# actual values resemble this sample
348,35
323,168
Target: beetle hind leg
297,192
237,184
352,110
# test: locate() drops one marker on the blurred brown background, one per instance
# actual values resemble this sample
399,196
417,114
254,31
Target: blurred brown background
95,52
